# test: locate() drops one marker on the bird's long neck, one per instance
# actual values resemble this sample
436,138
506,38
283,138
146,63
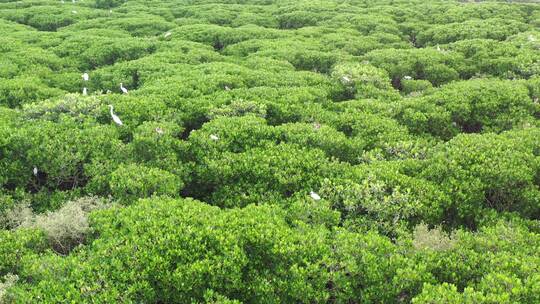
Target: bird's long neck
111,110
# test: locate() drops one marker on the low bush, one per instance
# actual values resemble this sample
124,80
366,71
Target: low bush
130,182
498,172
16,245
66,227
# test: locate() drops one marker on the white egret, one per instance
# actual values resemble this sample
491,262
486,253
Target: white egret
438,48
85,77
115,118
124,90
314,196
214,137
407,77
227,88
84,92
159,131
35,171
167,34
316,126
345,79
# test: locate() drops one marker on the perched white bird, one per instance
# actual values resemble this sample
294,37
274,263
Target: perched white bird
316,126
345,79
214,137
314,196
115,118
74,12
35,171
227,88
167,34
159,130
124,90
407,77
84,92
85,77
438,48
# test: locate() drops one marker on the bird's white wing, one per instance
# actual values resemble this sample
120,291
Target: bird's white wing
117,120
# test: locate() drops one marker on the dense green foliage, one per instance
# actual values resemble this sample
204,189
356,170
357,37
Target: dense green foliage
270,151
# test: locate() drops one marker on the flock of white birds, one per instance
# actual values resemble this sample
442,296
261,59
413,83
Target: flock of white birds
119,122
86,77
114,117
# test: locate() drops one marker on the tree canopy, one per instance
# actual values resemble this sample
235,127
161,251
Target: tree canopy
269,151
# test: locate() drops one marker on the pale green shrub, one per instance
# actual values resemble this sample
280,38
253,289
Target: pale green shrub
8,281
68,226
434,239
16,215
